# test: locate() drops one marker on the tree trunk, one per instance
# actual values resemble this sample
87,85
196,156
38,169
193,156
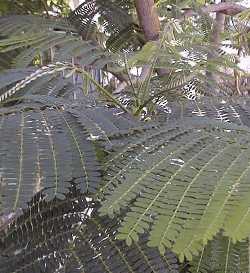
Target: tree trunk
148,19
150,24
218,29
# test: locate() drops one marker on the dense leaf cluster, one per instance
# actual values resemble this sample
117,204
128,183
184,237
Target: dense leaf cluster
86,187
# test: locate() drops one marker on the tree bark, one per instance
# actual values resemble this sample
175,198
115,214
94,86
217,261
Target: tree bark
148,19
218,29
226,8
150,24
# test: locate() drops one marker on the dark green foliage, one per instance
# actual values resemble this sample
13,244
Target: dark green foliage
115,17
56,37
172,176
51,84
101,122
12,76
17,24
222,255
224,109
67,234
43,147
97,250
32,6
179,186
45,76
39,239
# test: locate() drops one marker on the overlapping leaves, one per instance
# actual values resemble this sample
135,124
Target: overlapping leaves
43,147
56,38
68,235
222,255
116,19
39,239
183,183
97,250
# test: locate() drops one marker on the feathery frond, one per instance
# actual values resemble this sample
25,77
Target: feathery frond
43,71
70,235
224,109
116,19
54,69
43,147
97,250
181,179
222,255
55,36
40,238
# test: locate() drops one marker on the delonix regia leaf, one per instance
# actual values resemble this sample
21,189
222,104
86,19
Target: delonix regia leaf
43,148
69,235
183,183
117,20
224,109
22,36
222,255
98,251
39,239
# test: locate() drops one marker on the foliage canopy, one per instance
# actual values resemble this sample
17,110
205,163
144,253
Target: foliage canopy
150,177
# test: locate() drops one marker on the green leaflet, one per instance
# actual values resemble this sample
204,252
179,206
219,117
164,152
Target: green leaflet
80,239
98,240
53,36
145,55
58,223
43,148
222,256
182,185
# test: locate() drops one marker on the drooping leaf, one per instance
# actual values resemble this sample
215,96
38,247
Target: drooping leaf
97,250
40,238
115,17
43,147
222,255
56,36
68,234
180,181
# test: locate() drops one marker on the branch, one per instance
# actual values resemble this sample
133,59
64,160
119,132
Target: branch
148,19
224,7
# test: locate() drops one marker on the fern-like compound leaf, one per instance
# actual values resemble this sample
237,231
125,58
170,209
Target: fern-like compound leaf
68,235
39,239
57,38
97,250
222,255
183,180
42,147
